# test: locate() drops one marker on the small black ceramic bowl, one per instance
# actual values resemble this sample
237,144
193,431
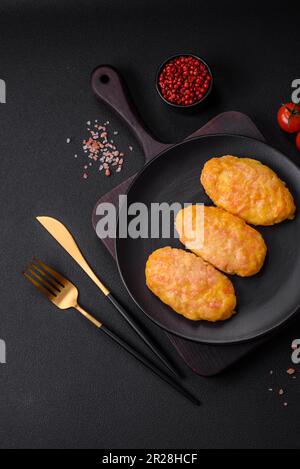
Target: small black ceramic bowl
183,106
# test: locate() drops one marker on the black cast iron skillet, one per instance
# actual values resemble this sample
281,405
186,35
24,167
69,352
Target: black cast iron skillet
265,301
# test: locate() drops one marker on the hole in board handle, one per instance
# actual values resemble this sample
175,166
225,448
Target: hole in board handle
104,79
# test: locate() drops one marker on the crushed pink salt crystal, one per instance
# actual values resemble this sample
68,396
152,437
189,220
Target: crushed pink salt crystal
281,392
291,371
101,149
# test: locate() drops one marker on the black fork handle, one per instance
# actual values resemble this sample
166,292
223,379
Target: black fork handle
150,365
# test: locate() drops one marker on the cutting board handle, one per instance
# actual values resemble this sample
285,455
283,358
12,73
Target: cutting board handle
109,87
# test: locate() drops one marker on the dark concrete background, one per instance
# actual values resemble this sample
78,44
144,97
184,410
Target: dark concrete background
63,386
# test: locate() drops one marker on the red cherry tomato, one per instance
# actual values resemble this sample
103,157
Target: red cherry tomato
289,117
298,141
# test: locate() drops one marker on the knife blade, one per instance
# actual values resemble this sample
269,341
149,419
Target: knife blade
62,235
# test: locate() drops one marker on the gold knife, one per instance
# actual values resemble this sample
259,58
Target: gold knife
62,235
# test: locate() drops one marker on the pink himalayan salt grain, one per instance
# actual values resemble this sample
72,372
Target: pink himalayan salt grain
98,148
291,371
281,392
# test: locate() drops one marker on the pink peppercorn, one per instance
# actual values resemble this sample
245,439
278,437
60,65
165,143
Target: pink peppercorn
184,80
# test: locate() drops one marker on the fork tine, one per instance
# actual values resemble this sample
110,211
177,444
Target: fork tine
53,272
43,281
40,287
48,278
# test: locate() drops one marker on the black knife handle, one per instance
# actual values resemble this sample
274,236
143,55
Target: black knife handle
145,361
141,334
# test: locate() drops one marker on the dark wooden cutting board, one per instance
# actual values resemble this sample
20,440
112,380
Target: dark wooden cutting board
205,360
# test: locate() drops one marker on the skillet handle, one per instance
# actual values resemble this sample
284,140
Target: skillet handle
108,85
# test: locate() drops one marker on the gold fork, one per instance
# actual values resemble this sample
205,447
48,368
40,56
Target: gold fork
64,295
